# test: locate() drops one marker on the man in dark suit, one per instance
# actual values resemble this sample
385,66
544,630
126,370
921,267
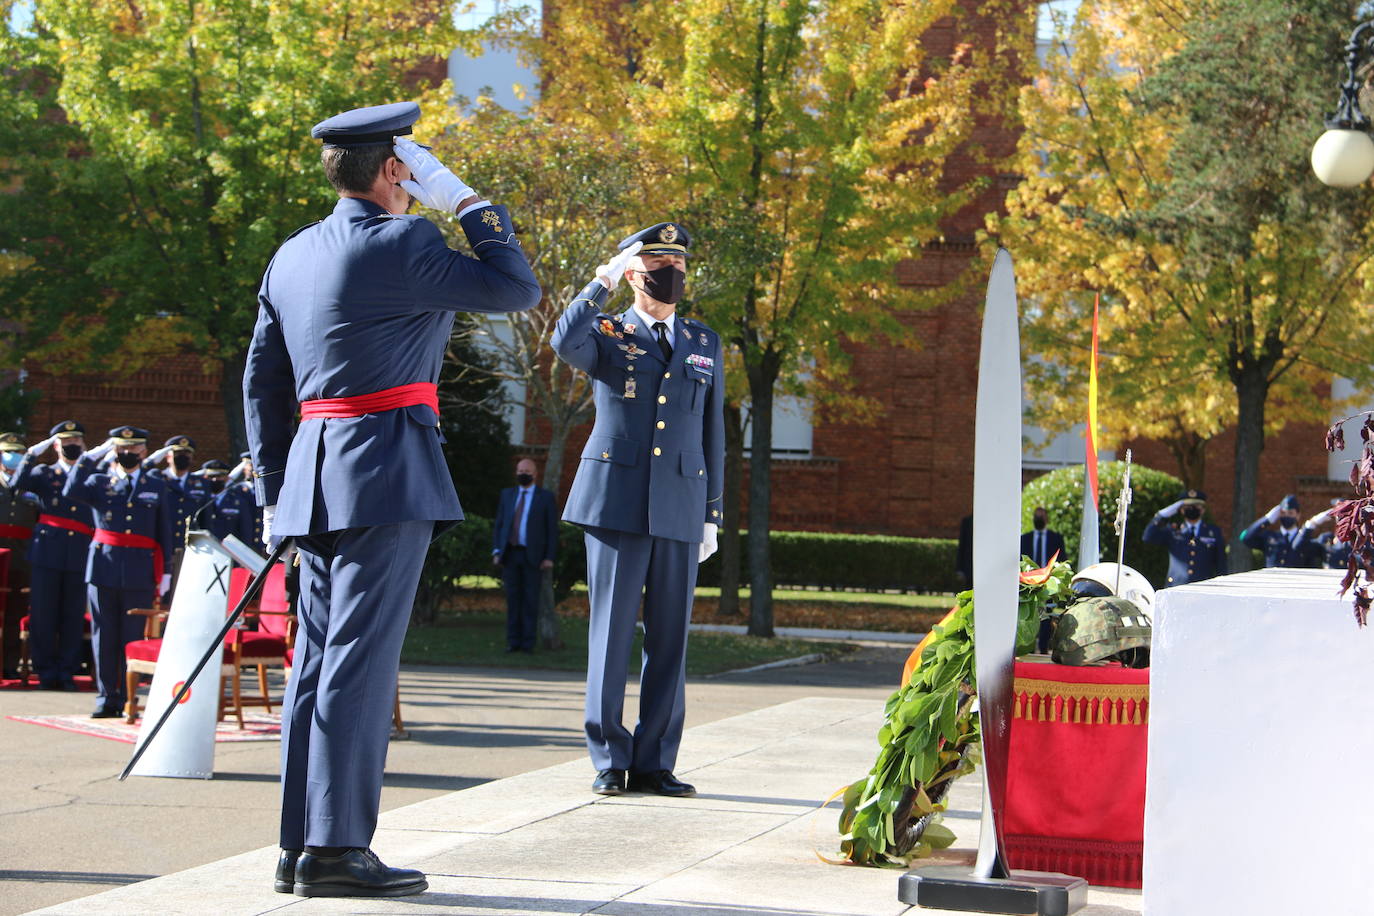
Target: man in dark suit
1041,543
1197,549
648,494
61,540
524,543
354,316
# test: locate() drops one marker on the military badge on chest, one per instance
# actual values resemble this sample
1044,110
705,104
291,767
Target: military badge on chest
632,351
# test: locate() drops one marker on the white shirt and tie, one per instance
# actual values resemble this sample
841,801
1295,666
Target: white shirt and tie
651,325
520,523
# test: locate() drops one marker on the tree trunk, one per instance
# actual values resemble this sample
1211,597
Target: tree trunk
761,379
546,623
231,393
1190,454
729,532
1252,391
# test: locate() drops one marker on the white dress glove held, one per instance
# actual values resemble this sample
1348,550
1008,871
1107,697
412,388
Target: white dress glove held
709,542
268,513
165,585
610,273
433,184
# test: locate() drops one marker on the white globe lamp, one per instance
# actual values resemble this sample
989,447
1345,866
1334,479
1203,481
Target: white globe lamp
1343,158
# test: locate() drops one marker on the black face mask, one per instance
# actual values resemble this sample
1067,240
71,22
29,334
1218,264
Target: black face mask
216,484
1192,513
128,460
665,284
1288,522
181,461
1039,522
524,479
71,451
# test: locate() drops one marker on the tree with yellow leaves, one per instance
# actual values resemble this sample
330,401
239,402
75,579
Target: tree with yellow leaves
806,146
1165,164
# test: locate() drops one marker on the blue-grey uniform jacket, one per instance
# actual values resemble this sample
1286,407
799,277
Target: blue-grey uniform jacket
361,302
1283,549
144,508
1191,559
655,461
52,547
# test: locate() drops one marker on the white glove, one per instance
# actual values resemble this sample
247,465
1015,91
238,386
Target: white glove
709,543
432,183
236,474
268,513
101,450
1170,510
40,448
158,455
1318,520
165,585
1272,516
610,273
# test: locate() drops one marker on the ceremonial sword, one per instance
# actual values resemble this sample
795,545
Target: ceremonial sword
1123,503
249,593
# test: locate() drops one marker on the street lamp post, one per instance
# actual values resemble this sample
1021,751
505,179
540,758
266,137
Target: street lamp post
1344,156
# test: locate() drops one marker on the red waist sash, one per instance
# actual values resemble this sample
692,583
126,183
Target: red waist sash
71,524
15,531
116,539
417,394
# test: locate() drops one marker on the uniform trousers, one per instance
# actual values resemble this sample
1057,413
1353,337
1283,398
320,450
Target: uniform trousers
621,568
357,588
112,628
523,579
57,622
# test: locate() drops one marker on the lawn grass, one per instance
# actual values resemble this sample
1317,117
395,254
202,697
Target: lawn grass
809,595
479,639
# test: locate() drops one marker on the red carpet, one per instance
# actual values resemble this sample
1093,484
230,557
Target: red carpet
256,727
83,683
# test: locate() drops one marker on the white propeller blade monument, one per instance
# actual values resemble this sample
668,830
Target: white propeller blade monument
992,887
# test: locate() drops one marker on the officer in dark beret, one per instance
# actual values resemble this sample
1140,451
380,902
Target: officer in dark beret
18,513
1197,549
1284,542
57,555
648,493
354,316
128,562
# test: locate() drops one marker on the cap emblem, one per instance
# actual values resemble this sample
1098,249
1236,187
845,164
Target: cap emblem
668,234
69,425
126,433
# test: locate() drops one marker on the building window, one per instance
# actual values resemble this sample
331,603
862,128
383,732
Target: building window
791,427
497,72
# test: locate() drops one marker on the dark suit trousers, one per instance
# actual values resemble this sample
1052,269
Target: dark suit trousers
521,575
112,628
57,611
622,568
357,588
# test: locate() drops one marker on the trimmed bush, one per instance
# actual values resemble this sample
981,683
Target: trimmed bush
1061,493
859,561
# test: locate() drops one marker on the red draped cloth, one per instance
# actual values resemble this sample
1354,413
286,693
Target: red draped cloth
1076,777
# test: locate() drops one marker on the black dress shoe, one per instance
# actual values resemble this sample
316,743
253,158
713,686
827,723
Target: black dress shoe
661,782
356,873
285,881
107,712
609,782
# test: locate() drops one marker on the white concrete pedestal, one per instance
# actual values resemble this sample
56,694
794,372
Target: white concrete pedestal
1260,798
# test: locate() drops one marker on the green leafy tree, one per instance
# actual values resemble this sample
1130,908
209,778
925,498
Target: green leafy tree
159,151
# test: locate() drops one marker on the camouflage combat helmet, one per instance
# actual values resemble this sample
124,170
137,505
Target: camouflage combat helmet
1097,629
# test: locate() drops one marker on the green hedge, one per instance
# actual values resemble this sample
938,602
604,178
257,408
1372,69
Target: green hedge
1061,493
858,561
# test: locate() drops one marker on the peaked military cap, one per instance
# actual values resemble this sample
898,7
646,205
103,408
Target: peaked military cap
665,238
214,468
243,455
180,442
1192,496
66,429
373,126
1289,502
10,442
129,435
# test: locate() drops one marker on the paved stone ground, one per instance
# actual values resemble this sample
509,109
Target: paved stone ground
540,843
71,829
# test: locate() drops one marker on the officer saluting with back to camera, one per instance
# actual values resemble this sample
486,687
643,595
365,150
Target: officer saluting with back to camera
354,316
1197,550
648,493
